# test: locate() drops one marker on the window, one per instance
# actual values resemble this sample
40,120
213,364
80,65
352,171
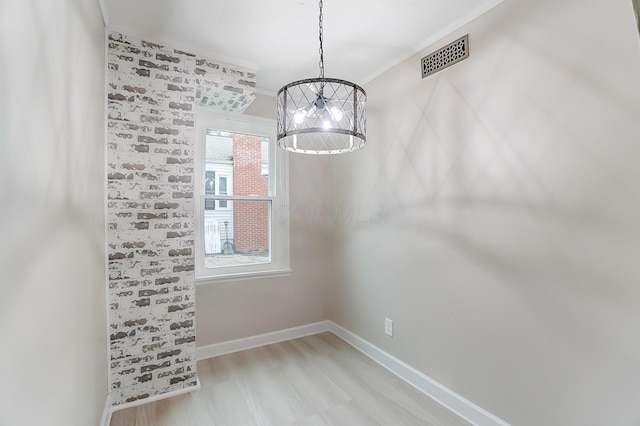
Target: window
210,189
241,198
222,184
215,184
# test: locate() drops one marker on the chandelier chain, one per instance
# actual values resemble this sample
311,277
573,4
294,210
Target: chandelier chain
321,39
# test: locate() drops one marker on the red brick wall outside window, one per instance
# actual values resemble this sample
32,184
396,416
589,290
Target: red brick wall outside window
250,218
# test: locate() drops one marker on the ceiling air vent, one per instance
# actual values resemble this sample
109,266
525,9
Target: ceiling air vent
450,54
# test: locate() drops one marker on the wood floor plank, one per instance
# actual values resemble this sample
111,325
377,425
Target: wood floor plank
317,380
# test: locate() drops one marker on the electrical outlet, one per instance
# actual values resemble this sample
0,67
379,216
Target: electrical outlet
388,327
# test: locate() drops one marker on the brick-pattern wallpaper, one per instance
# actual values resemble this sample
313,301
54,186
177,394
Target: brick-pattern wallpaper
152,93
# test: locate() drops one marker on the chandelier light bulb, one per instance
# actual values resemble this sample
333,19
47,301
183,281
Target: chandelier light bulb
336,113
299,117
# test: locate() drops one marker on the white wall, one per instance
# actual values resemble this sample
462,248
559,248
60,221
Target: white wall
227,311
501,215
53,363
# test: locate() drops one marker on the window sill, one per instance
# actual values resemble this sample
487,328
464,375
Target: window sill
243,276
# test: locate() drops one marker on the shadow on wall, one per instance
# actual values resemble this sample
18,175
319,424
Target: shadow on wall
509,215
636,7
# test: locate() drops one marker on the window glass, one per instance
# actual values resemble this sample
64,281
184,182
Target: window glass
222,185
210,189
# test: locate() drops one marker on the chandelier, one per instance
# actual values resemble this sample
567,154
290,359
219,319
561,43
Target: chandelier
321,115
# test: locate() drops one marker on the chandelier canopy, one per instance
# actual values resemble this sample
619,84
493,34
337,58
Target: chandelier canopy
321,115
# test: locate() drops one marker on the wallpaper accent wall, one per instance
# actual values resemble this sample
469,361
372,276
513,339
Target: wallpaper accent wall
152,93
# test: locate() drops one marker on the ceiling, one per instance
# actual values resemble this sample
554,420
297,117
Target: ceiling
278,39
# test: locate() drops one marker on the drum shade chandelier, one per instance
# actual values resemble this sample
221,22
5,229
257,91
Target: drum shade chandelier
321,115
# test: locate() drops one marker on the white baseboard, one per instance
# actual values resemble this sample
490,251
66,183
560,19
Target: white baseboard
106,412
439,393
217,349
156,397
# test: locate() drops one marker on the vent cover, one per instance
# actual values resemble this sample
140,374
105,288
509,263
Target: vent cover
450,54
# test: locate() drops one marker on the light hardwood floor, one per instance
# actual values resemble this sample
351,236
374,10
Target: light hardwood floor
314,380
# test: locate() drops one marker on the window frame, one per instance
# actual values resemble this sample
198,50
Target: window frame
278,197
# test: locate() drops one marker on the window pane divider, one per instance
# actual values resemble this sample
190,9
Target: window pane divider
239,197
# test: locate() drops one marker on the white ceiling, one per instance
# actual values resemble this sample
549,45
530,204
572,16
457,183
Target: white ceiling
279,38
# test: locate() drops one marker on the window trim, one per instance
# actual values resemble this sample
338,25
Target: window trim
278,190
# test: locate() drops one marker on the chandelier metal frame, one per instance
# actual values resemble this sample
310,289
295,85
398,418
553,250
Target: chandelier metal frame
321,115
